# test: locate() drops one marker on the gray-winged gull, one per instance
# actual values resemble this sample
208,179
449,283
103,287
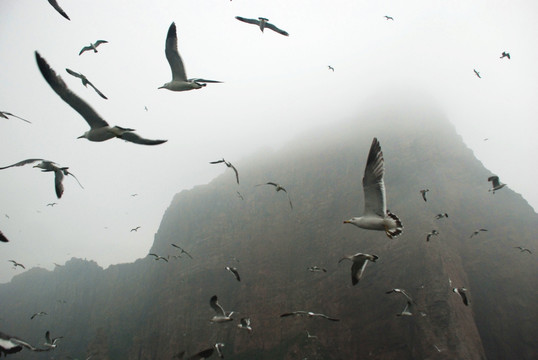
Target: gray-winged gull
158,257
5,114
3,238
423,192
135,229
228,164
522,249
41,313
360,261
221,314
278,188
441,215
308,314
476,232
495,183
11,345
245,324
15,264
92,46
262,23
182,250
85,82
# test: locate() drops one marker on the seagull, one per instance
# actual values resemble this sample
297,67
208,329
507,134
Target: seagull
133,195
48,166
278,187
55,5
477,73
389,17
92,46
221,314
432,233
495,183
308,336
99,128
359,264
400,291
245,324
440,216
316,268
52,204
135,229
234,271
218,347
179,80
182,250
262,23
11,345
331,68
158,257
41,313
5,114
15,264
406,311
462,293
505,54
3,238
423,192
85,82
240,196
51,342
523,249
228,164
476,232
308,314
376,216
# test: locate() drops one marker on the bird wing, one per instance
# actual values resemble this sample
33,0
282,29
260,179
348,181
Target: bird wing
372,182
236,273
327,317
58,85
236,172
216,306
3,238
134,138
74,73
274,28
99,42
249,21
70,173
204,354
357,269
10,114
21,163
200,80
464,297
47,337
289,199
58,185
55,5
85,48
97,90
423,195
494,180
217,161
172,55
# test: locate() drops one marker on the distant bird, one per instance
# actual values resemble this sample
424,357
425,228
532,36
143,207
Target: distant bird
308,314
228,164
85,82
55,5
389,17
239,195
423,192
99,128
41,313
135,229
52,204
6,215
221,314
49,166
5,114
495,183
505,54
331,68
218,348
11,345
440,216
308,336
262,23
432,233
477,73
476,232
400,291
523,249
133,195
376,216
316,268
146,108
360,261
234,271
92,46
278,188
15,264
51,342
204,354
179,80
3,238
182,250
407,310
245,324
462,292
158,257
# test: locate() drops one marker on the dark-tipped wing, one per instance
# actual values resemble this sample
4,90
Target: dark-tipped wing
58,185
494,180
357,269
97,91
235,272
217,161
3,238
200,80
85,48
47,337
99,42
74,73
10,114
58,85
204,354
134,138
249,21
70,173
21,163
372,182
216,306
274,28
55,5
172,55
236,173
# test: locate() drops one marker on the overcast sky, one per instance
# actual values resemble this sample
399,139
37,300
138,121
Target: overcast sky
275,87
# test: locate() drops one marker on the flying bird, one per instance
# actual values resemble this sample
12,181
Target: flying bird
92,46
221,314
423,192
308,314
99,128
462,293
278,188
11,345
360,261
477,73
440,216
182,250
523,249
218,348
308,336
234,271
133,195
432,233
505,54
52,204
316,268
245,324
86,82
51,342
41,313
263,23
228,164
407,310
389,18
49,166
158,257
135,229
3,238
15,264
495,183
331,68
179,80
55,5
400,291
476,232
376,216
239,195
5,114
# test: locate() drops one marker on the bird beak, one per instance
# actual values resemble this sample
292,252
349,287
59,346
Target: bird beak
80,137
346,221
160,87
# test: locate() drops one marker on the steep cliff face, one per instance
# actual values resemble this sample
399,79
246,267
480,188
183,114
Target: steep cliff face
153,309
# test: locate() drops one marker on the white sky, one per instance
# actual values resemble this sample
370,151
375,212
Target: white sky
274,88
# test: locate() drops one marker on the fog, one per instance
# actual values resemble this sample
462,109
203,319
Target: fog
275,88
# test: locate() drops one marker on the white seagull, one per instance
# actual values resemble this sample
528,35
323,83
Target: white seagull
440,216
477,74
158,257
11,345
495,183
51,342
228,164
55,5
218,347
359,264
263,23
406,311
376,216
5,114
179,80
522,249
85,82
221,314
99,128
308,314
245,324
92,46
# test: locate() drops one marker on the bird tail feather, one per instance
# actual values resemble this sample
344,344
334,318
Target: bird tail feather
392,233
